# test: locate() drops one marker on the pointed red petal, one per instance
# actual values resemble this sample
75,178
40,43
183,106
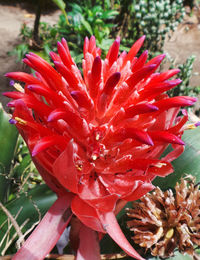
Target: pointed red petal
49,141
180,101
85,46
22,76
134,49
113,52
110,224
156,60
141,61
92,44
96,69
82,99
164,136
65,45
140,109
68,75
137,134
167,74
111,83
63,55
47,233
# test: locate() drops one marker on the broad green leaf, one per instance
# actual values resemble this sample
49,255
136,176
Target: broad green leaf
87,26
110,14
187,163
8,140
29,206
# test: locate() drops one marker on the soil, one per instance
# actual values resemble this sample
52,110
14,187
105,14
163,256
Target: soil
184,42
12,15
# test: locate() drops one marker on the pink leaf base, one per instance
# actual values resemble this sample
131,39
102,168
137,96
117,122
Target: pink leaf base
47,233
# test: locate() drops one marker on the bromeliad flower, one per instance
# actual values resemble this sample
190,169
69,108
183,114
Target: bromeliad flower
96,140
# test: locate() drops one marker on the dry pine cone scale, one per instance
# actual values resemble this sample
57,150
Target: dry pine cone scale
163,221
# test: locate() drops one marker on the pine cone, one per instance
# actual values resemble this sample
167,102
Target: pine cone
163,221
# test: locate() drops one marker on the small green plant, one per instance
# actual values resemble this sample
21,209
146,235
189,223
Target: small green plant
155,19
74,25
185,74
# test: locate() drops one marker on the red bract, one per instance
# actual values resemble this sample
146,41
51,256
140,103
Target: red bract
97,140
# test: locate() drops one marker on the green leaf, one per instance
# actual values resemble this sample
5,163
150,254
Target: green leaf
60,4
177,256
187,163
8,141
87,26
30,205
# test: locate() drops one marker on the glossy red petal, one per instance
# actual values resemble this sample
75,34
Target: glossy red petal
111,226
86,214
141,61
65,170
174,154
137,134
49,141
138,193
111,83
140,109
63,55
113,52
134,49
22,76
162,169
164,136
82,99
180,101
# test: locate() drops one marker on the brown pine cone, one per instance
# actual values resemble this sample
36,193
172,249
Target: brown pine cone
163,221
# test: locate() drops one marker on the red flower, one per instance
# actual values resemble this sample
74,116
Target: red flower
96,140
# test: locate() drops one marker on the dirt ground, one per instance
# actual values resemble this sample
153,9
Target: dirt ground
185,41
11,19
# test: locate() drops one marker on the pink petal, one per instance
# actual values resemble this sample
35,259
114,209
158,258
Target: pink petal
140,191
89,245
134,49
112,227
49,141
164,136
64,169
47,233
86,214
178,150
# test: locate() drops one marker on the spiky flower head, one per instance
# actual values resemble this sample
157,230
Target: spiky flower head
164,221
99,136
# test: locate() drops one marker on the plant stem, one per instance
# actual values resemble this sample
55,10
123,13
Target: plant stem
37,21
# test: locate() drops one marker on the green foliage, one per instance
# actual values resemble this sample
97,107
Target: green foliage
152,18
187,163
27,210
80,22
185,74
8,140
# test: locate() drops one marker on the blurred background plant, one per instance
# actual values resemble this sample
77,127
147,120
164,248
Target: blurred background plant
185,74
23,197
155,19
